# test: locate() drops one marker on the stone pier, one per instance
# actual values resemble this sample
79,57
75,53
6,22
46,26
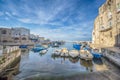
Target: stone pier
9,56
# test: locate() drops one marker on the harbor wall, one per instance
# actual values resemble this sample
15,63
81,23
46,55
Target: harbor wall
113,55
9,56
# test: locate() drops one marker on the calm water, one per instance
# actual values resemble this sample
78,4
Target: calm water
36,64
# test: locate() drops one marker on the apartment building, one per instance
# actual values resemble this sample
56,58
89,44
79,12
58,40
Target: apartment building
5,35
106,30
21,35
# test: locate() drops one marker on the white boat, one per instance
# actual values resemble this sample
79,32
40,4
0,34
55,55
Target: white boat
73,53
43,51
64,52
86,55
57,52
45,46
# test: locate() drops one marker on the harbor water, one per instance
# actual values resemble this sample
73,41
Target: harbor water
40,65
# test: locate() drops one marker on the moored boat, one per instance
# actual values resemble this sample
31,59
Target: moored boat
23,46
86,55
96,54
77,46
64,52
57,52
37,49
73,53
43,51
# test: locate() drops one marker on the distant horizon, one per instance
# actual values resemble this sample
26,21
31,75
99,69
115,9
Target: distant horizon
56,20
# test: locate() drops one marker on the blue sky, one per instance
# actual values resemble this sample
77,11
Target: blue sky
54,19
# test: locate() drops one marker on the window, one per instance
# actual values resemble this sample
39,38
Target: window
4,32
23,38
110,23
16,38
110,34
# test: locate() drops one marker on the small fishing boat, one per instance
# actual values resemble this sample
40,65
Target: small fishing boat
36,49
73,53
57,52
86,55
96,54
64,52
45,46
77,46
23,46
43,51
55,44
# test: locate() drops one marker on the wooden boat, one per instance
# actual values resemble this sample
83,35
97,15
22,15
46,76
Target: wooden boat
64,52
77,46
45,46
43,51
86,55
73,53
96,54
57,52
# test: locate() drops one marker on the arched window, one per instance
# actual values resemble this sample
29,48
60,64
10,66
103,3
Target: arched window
24,38
4,32
5,41
16,38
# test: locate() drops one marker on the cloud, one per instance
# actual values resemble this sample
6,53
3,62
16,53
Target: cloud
25,20
8,14
54,19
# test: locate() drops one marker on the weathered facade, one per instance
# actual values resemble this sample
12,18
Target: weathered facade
14,35
21,35
5,35
107,24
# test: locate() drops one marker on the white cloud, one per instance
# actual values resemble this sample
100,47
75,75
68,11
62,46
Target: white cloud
25,20
8,14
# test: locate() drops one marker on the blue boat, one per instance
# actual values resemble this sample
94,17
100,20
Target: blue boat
37,49
23,46
77,46
96,55
87,48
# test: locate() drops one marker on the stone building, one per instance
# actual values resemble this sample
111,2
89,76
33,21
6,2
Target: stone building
33,38
106,30
21,35
5,35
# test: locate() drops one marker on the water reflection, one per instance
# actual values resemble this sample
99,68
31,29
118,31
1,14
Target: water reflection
73,60
47,64
42,54
24,51
87,64
98,61
99,65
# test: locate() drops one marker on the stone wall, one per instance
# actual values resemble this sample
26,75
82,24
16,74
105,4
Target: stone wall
107,25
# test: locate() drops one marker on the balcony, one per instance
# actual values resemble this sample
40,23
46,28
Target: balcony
105,28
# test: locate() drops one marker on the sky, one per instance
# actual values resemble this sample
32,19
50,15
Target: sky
54,19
